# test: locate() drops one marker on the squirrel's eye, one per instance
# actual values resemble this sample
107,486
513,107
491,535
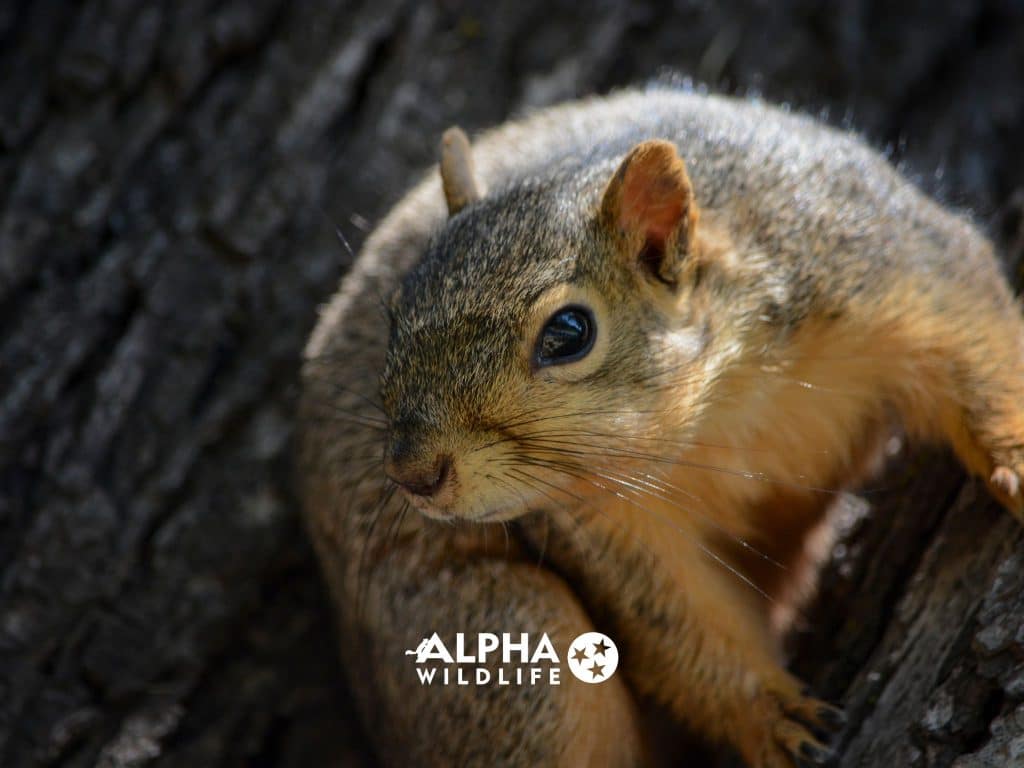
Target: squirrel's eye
567,336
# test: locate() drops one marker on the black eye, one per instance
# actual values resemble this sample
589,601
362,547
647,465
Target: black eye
567,336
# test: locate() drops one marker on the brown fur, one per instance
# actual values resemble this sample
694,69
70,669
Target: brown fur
762,311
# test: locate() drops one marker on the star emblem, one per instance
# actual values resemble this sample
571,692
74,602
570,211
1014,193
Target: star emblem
592,657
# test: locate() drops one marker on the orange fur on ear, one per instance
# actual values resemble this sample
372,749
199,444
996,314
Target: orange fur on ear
649,200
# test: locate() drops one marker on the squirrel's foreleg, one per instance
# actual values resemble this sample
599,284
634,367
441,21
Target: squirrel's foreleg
963,379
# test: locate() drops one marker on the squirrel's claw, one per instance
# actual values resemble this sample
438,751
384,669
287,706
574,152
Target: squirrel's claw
799,747
1006,480
813,757
1005,485
794,730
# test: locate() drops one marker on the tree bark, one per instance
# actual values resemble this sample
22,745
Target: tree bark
172,177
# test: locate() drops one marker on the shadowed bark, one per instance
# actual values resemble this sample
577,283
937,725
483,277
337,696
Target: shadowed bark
171,177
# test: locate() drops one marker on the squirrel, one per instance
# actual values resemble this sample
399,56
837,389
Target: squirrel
650,334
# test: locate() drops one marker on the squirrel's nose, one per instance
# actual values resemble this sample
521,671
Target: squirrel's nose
417,477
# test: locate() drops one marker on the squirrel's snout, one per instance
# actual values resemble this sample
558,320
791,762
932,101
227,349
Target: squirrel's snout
419,478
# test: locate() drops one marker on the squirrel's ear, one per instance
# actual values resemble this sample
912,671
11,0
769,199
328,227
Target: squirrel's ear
649,203
457,175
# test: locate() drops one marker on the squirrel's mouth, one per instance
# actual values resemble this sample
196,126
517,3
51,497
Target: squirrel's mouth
467,485
474,503
428,507
501,514
494,513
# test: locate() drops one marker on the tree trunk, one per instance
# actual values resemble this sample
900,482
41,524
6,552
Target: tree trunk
171,178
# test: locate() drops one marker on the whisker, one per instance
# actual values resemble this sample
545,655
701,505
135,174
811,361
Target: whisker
332,358
360,420
651,483
544,543
387,491
509,486
573,448
577,433
578,522
666,521
575,414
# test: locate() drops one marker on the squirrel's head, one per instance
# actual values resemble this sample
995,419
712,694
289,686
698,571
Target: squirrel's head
552,332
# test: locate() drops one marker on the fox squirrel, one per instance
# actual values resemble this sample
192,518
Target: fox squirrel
650,330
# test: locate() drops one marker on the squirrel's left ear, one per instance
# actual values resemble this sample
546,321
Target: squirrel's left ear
649,203
458,176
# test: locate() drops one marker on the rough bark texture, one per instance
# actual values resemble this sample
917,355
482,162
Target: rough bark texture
171,175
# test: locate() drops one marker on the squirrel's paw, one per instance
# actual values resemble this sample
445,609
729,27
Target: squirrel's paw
791,729
1005,484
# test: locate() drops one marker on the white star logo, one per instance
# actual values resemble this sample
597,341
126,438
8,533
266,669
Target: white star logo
593,657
